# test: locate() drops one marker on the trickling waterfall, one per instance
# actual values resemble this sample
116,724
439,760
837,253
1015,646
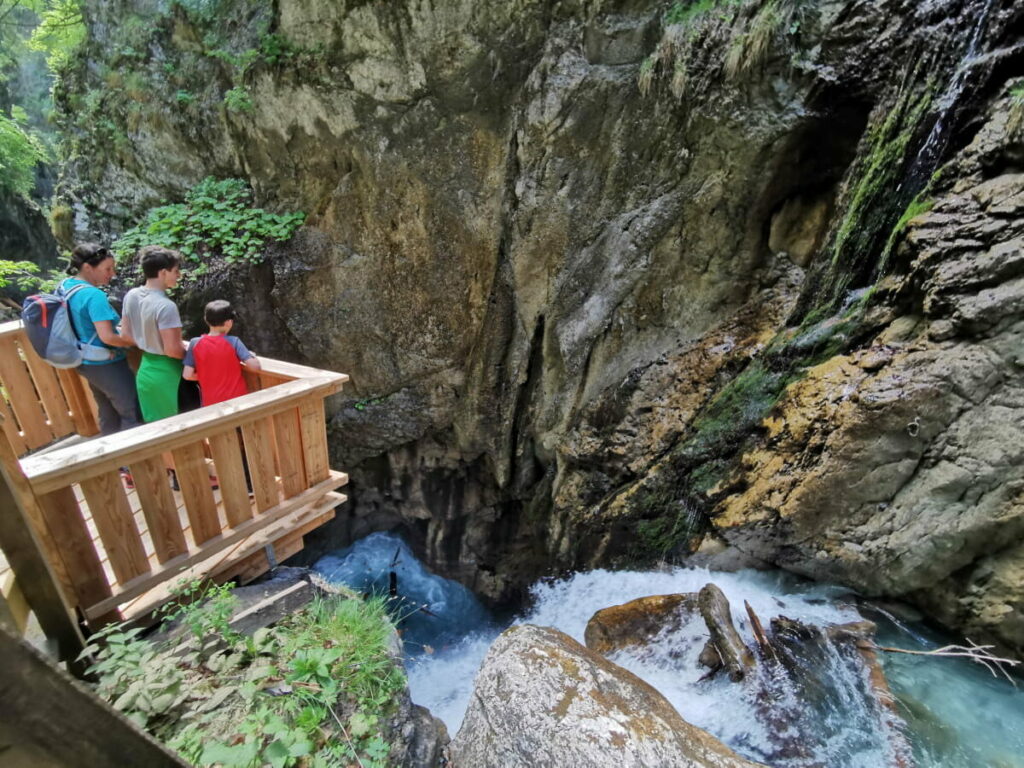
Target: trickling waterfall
954,714
938,137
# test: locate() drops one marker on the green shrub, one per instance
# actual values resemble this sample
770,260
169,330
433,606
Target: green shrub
215,221
314,690
237,99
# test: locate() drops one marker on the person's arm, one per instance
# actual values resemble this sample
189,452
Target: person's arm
125,331
189,371
107,334
174,346
245,356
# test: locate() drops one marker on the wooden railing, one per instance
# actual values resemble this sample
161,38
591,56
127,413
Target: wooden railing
115,550
40,404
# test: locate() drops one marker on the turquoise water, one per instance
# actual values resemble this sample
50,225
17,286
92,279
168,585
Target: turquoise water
951,713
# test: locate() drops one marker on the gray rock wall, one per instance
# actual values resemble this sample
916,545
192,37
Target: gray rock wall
543,236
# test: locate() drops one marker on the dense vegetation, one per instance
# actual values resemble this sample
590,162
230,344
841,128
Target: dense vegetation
315,690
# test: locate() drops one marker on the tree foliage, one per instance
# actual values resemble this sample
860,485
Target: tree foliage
20,150
54,27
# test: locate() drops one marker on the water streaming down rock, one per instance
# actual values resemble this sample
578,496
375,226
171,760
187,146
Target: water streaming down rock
938,137
958,717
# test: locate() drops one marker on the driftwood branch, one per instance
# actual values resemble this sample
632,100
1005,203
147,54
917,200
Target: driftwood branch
979,654
759,634
736,657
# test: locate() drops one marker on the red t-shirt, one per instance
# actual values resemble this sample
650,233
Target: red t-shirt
218,364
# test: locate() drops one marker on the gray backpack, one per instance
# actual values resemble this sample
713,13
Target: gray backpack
49,329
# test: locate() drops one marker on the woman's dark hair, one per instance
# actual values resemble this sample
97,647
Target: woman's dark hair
87,253
218,312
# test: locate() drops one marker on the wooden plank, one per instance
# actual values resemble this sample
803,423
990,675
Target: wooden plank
48,386
80,402
65,466
11,428
190,466
255,565
159,508
227,458
81,562
22,394
259,455
314,440
279,369
34,561
112,515
229,537
288,436
52,720
219,568
14,608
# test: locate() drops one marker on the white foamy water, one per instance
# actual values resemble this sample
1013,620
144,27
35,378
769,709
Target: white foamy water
958,717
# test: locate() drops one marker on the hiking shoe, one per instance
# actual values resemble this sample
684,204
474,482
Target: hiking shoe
126,477
174,480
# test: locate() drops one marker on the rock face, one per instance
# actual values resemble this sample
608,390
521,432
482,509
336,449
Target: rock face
898,467
574,254
541,699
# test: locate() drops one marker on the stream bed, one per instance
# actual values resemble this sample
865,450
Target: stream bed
953,713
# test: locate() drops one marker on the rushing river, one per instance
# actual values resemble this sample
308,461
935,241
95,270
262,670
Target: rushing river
953,713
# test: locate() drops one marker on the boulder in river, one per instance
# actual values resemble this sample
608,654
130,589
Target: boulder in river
543,700
638,621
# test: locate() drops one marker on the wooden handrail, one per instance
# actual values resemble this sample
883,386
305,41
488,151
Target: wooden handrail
112,548
57,469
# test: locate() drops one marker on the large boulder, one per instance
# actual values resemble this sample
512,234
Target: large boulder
638,621
542,699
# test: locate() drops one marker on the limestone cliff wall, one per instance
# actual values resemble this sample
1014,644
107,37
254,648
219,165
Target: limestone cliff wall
613,278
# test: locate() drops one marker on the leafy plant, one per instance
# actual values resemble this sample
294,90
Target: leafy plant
23,274
314,690
184,98
205,609
215,220
237,99
20,150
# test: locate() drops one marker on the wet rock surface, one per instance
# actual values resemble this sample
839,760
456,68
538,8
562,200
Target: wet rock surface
542,699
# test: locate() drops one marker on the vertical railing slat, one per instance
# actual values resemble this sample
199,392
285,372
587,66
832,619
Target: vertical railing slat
24,402
159,507
80,400
45,377
259,453
11,428
112,515
314,440
288,435
227,458
194,480
82,564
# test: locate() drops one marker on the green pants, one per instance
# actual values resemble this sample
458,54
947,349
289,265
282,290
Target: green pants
157,384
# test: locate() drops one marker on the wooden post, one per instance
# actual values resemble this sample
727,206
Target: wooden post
24,553
48,719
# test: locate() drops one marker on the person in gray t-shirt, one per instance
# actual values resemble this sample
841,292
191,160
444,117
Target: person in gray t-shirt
153,321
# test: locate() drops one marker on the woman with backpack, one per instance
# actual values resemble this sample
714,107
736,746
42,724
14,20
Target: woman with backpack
105,366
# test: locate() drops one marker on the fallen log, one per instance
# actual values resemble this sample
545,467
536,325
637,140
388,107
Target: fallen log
736,657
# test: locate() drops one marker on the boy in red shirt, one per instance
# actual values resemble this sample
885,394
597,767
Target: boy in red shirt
215,359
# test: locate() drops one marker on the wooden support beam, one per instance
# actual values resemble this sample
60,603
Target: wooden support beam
25,555
47,719
258,525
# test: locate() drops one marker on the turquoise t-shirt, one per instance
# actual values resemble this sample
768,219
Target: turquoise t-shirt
89,306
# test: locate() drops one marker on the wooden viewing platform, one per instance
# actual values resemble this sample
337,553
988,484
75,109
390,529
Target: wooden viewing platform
113,553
